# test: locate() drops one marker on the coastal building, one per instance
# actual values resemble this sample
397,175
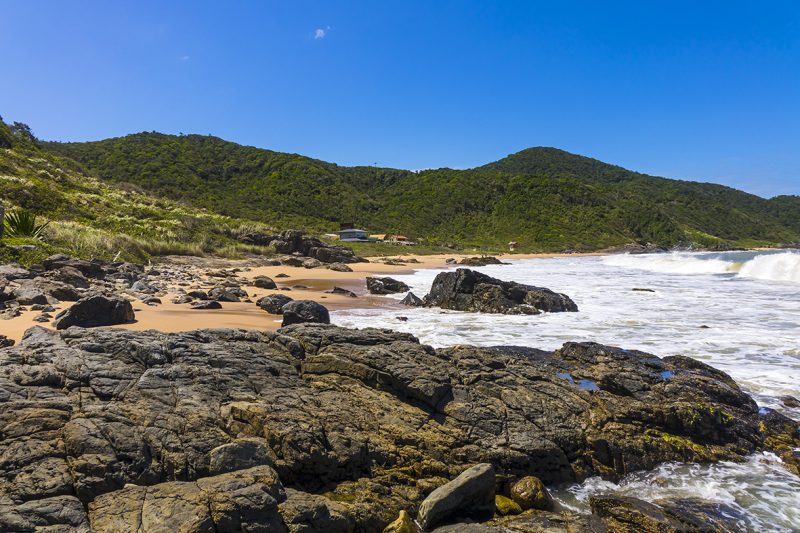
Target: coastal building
353,235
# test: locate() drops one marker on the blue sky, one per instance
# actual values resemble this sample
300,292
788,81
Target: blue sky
693,90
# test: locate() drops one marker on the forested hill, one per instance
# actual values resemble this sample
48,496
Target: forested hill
544,198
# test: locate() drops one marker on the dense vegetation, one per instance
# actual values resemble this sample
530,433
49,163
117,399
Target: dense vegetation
88,217
544,198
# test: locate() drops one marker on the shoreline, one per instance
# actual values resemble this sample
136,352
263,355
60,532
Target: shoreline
169,317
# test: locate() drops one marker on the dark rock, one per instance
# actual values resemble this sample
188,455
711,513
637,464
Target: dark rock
312,263
227,294
470,495
15,271
339,267
641,289
451,261
293,241
5,342
96,311
206,304
483,260
274,303
296,312
412,300
151,300
70,276
264,282
790,401
198,294
385,286
341,291
90,269
467,290
182,299
144,287
43,291
282,275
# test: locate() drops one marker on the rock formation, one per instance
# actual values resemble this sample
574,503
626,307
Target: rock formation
316,426
468,290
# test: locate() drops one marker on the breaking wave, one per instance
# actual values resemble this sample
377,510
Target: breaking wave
784,266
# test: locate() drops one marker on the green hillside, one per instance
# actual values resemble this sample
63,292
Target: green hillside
93,218
545,198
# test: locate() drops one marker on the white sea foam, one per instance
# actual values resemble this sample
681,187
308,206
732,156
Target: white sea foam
775,267
740,323
782,267
672,263
764,494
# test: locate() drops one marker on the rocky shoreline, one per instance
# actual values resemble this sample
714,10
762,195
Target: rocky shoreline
315,427
321,428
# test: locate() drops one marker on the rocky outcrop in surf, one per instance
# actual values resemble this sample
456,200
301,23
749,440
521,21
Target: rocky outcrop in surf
317,426
468,290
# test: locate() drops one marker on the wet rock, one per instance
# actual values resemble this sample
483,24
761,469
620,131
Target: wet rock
96,311
483,260
206,304
342,292
412,300
274,303
790,401
264,282
339,267
470,495
625,513
468,290
299,311
505,506
530,493
385,285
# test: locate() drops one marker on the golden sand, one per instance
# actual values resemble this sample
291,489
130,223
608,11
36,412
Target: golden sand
169,317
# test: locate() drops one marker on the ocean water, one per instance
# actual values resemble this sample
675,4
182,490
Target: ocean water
738,311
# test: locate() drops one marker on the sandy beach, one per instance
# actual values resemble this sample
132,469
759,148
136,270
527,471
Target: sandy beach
305,284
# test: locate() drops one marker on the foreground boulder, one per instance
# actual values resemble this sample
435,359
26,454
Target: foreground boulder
467,290
385,286
102,427
96,311
300,311
470,495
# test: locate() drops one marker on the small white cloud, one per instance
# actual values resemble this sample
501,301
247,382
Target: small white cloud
321,33
183,58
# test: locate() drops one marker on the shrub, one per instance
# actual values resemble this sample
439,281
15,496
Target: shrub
22,223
